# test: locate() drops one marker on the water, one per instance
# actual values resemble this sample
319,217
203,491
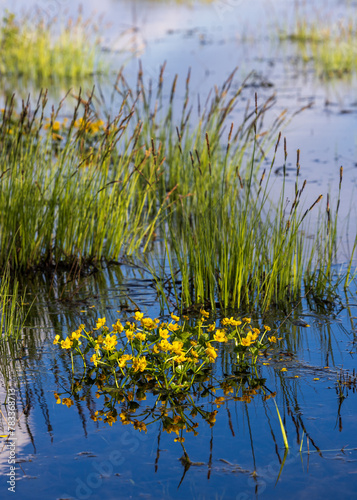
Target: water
62,452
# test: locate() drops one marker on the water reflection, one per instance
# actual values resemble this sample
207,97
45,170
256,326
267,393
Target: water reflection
238,433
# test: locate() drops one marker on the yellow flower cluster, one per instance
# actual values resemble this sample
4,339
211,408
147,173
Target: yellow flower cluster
139,364
89,126
220,336
211,353
109,342
164,351
231,322
250,338
123,360
100,323
118,327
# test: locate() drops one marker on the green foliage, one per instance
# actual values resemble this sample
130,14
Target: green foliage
331,46
32,49
84,190
173,355
12,311
69,191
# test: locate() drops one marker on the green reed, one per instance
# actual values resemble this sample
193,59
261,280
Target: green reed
192,201
70,190
236,246
224,239
331,46
33,49
12,310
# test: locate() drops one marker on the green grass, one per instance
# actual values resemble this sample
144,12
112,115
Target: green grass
12,311
331,46
70,190
232,246
38,51
81,190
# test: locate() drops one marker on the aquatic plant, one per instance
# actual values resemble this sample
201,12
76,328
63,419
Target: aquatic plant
33,49
189,205
231,245
170,354
331,46
69,189
12,310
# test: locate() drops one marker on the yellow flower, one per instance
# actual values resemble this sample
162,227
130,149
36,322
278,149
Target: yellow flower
139,425
76,335
139,364
219,401
129,334
204,313
67,401
148,323
124,418
180,358
272,339
94,359
235,322
175,318
284,369
177,347
211,328
220,336
56,126
211,418
110,419
193,342
231,321
267,328
179,440
124,359
58,399
247,341
110,342
247,320
141,336
66,344
99,340
173,328
164,334
138,316
211,353
100,323
165,345
57,337
118,327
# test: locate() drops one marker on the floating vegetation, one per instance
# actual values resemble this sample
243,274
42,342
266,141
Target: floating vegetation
331,47
37,51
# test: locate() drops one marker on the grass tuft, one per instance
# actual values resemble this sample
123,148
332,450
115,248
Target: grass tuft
37,51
